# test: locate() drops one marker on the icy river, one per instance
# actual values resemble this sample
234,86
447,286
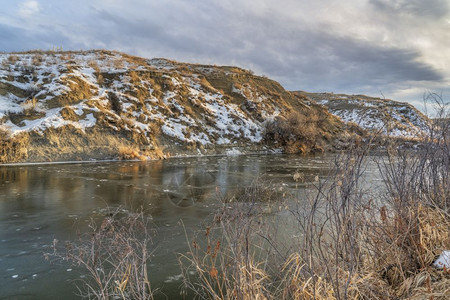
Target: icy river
43,202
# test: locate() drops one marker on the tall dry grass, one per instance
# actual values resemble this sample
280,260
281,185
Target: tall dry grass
297,132
13,148
346,242
341,240
115,256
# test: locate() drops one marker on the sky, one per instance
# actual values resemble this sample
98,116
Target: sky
397,49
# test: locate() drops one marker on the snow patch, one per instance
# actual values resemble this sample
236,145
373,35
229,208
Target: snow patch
233,152
443,260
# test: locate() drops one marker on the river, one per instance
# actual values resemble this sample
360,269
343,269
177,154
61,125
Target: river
43,202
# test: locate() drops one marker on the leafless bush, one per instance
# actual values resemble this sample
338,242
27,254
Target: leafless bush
232,259
115,254
358,247
130,153
295,133
353,243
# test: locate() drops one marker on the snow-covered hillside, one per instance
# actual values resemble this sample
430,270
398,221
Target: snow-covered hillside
388,117
47,81
101,99
105,104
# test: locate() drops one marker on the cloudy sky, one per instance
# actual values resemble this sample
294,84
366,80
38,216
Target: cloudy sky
396,48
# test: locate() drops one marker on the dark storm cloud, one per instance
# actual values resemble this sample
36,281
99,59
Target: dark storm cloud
298,56
321,60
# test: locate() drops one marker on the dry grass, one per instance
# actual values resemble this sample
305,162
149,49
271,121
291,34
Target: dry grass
206,85
115,255
134,78
12,59
297,133
155,128
344,254
79,90
225,262
37,60
13,148
130,153
349,247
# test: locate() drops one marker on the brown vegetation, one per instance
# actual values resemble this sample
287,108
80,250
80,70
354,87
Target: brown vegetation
350,246
130,153
338,242
114,255
13,149
297,133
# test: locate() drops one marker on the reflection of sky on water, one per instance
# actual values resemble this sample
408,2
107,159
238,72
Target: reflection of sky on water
41,202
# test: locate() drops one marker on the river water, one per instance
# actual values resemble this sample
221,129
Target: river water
43,202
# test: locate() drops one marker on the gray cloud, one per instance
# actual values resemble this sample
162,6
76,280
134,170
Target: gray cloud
18,39
303,45
419,8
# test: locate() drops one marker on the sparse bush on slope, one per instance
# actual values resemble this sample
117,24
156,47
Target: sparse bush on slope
13,149
296,133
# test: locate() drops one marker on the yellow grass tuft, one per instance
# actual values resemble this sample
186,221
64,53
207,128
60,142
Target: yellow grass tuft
130,153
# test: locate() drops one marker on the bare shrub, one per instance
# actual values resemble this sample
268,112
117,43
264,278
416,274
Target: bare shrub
353,243
228,260
130,153
115,254
297,133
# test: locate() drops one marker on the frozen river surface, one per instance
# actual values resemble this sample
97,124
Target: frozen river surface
40,203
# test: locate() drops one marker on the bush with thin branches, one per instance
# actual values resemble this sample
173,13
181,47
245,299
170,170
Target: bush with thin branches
115,255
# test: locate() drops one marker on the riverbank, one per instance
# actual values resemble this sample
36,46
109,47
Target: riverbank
81,105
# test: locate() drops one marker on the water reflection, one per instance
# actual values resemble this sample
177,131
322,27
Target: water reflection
41,202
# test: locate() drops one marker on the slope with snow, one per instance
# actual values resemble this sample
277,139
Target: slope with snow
105,104
84,97
388,117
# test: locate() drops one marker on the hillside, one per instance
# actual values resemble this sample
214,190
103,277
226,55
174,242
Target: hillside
388,117
109,105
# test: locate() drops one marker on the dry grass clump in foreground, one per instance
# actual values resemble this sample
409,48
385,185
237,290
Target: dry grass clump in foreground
224,259
341,243
114,255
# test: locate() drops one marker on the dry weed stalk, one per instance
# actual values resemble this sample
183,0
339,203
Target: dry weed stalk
115,256
231,261
351,246
130,153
